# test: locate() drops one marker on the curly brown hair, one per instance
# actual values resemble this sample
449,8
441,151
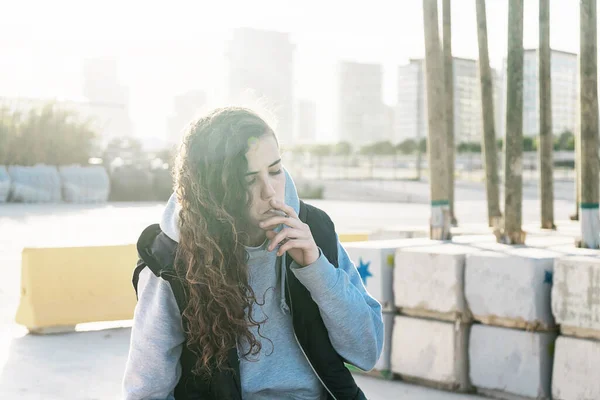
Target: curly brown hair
211,258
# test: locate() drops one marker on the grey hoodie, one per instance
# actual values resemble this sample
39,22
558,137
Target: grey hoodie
352,317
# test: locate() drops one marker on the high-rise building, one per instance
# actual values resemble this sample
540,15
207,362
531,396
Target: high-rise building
362,115
261,63
103,89
411,110
564,82
468,121
185,108
306,121
410,116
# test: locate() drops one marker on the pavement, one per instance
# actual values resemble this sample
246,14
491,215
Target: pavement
90,366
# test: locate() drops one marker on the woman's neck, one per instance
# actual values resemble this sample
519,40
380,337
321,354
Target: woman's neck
254,239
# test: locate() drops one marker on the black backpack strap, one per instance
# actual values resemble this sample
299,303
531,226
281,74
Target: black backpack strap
136,275
157,252
322,229
302,214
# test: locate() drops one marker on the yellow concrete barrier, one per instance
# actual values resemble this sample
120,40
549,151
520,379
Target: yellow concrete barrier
62,287
65,286
353,237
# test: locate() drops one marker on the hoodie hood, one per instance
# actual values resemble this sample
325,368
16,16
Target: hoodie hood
169,223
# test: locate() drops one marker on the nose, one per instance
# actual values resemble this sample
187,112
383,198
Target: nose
267,190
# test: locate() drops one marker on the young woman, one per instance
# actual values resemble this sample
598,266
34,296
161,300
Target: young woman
244,291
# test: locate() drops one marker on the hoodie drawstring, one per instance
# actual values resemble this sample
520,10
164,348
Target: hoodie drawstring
282,303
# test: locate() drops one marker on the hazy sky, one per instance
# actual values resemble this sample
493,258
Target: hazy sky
166,50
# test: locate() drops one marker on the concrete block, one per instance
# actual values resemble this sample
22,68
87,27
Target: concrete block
429,281
474,239
576,373
506,362
576,296
375,261
399,233
471,229
549,241
564,228
495,246
571,250
431,352
511,288
62,287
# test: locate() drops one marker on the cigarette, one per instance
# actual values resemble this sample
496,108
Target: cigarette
278,212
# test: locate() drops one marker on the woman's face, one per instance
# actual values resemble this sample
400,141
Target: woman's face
265,177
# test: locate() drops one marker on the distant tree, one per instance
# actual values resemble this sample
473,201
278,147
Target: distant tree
469,147
167,155
529,144
319,151
7,135
342,149
423,145
500,144
383,148
565,141
49,134
127,149
408,146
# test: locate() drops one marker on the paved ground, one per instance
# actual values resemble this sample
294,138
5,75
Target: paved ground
90,365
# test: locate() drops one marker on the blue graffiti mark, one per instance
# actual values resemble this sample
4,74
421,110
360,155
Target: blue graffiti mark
363,270
548,277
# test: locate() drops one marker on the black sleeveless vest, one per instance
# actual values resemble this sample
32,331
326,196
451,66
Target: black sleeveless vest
157,251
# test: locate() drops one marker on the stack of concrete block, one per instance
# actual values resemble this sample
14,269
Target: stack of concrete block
37,184
508,290
89,184
576,307
375,263
431,334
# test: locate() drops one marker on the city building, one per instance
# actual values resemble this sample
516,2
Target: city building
410,116
564,86
363,119
110,99
411,110
306,121
261,63
186,107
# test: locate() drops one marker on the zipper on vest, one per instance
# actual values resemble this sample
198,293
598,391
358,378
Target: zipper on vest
298,341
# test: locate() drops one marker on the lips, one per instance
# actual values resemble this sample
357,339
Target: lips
276,212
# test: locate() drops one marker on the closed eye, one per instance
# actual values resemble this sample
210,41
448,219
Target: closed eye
272,173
